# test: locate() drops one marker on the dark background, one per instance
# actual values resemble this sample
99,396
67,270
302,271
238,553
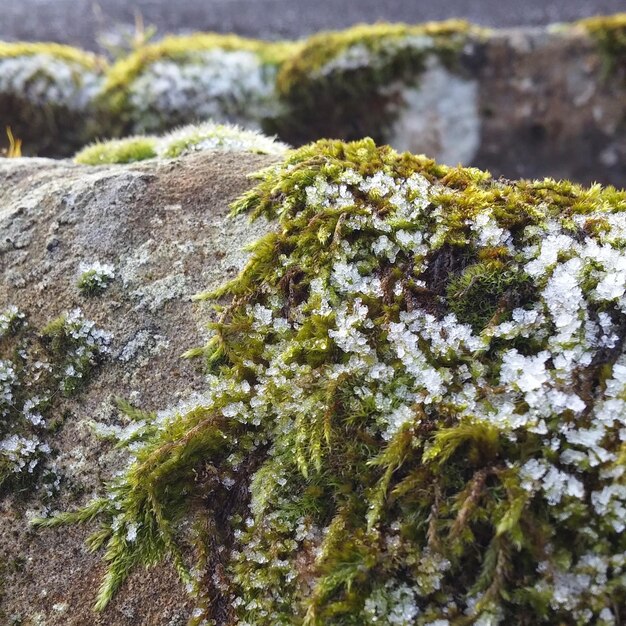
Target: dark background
88,23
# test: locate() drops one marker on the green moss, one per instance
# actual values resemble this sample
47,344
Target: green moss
391,43
361,455
92,282
610,33
45,96
180,48
479,294
114,101
185,140
34,368
126,150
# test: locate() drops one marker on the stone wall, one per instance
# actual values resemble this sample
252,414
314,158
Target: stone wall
521,103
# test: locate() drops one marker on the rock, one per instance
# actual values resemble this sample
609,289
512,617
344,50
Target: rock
160,229
415,405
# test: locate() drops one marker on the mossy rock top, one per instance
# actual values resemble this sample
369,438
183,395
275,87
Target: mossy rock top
385,43
414,413
180,48
58,51
192,138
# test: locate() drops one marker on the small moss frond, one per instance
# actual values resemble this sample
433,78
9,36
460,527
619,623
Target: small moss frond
14,150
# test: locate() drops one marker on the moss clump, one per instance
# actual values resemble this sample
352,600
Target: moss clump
484,290
610,33
95,277
126,150
46,93
54,50
34,368
193,138
361,455
340,84
225,77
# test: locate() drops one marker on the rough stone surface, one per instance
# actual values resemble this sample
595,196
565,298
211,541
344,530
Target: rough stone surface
163,227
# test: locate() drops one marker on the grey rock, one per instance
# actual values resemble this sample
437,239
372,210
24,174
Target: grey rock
164,227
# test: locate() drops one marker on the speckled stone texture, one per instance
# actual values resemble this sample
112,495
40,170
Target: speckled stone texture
163,226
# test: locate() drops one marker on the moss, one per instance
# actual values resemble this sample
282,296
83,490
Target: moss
338,83
180,48
115,103
34,367
46,95
361,455
610,33
93,282
479,294
192,138
126,150
58,51
384,40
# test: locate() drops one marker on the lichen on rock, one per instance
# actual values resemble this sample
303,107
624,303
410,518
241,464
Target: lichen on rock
373,449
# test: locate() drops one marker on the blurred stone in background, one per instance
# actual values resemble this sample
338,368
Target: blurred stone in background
97,24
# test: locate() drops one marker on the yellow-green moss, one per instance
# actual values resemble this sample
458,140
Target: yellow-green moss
59,51
338,84
118,151
316,51
179,48
192,138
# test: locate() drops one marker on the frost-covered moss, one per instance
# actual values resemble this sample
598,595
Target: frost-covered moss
211,136
95,277
34,368
46,93
185,140
349,83
369,450
193,78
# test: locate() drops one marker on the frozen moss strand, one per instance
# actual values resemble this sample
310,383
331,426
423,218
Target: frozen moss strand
405,465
